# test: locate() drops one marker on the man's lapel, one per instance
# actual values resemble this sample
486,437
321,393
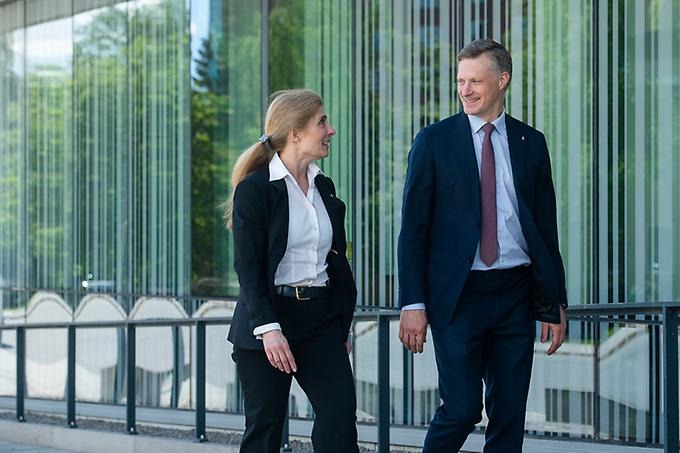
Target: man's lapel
464,149
518,155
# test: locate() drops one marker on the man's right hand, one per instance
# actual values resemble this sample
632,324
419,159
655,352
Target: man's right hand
278,352
413,329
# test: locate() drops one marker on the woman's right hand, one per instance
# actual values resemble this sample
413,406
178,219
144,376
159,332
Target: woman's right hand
278,352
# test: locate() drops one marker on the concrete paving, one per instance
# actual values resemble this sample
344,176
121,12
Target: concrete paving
27,448
33,437
171,431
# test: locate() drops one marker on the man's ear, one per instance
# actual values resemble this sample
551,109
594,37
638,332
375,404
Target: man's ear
504,80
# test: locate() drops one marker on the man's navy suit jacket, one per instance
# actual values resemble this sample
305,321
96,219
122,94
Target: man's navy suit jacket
441,218
260,226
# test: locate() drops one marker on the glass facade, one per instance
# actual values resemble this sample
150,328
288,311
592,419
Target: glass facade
95,133
120,122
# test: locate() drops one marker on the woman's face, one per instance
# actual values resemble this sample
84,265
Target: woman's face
316,136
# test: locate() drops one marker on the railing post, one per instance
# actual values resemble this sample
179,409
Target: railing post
130,424
71,378
200,381
21,372
285,434
596,378
177,365
670,379
408,386
383,384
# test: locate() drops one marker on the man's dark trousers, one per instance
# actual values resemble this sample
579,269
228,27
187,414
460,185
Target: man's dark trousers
490,338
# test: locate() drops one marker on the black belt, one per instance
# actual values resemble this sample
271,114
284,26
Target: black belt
507,271
302,292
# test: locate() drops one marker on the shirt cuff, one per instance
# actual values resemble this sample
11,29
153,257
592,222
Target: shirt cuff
413,307
261,330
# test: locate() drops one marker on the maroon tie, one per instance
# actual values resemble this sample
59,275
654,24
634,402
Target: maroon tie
488,249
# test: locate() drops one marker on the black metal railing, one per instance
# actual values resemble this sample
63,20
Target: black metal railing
131,328
664,315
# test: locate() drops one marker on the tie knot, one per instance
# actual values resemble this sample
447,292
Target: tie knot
488,128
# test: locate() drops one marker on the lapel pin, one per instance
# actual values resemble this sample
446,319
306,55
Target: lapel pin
522,137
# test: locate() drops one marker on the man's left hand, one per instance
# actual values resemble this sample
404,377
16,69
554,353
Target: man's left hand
558,332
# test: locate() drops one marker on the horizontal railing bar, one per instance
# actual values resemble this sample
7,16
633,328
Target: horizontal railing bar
614,313
623,308
613,320
375,313
85,292
160,322
575,308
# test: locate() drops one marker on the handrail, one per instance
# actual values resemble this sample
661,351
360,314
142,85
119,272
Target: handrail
150,322
577,312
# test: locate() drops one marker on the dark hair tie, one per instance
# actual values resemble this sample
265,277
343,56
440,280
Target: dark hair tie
266,139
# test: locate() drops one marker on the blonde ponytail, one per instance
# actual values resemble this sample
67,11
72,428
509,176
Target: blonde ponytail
252,159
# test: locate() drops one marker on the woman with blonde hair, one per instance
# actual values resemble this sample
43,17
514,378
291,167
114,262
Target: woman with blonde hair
297,297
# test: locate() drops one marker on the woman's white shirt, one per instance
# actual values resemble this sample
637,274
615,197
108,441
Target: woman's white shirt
310,234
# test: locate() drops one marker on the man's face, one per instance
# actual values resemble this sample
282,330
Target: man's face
481,88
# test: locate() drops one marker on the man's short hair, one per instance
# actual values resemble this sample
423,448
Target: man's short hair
500,57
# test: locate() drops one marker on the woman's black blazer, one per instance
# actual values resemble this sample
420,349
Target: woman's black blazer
260,227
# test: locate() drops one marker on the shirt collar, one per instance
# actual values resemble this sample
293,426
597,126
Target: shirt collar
476,123
277,170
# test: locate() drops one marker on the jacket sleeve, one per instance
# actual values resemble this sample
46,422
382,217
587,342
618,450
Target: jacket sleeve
250,253
546,217
415,222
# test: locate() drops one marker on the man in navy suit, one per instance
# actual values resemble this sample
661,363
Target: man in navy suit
478,256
